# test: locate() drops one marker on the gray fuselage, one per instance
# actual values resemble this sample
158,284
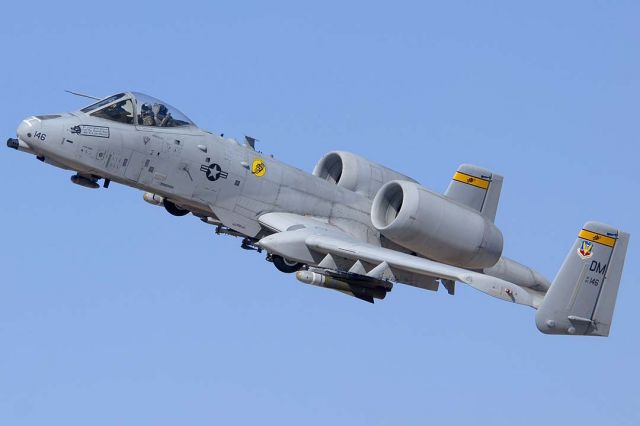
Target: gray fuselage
200,171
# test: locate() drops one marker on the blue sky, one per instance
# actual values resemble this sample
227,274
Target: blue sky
114,312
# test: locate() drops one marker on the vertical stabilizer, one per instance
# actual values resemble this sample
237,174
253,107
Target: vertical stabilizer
477,188
583,295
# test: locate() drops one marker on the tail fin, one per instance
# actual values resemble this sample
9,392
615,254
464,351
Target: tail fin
477,188
583,295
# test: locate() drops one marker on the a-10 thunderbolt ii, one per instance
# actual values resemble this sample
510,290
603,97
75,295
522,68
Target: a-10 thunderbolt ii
352,225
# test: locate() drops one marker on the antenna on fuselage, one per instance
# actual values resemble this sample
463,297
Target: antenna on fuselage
250,142
83,95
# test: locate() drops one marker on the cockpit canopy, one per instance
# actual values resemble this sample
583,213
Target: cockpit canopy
139,109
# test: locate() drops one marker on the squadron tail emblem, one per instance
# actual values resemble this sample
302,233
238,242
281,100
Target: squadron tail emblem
584,250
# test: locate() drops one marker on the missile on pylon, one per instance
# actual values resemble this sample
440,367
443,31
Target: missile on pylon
364,288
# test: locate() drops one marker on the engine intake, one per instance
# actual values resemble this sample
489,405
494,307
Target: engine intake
355,173
435,227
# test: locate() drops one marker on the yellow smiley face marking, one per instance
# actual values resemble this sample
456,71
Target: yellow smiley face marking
258,167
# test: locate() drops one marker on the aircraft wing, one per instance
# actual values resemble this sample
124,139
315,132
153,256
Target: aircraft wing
314,242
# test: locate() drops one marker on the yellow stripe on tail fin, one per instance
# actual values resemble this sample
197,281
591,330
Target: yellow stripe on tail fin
477,188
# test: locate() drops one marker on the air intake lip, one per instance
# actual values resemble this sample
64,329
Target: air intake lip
355,173
387,205
330,168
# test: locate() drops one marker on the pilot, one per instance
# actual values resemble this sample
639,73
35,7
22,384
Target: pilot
146,115
161,115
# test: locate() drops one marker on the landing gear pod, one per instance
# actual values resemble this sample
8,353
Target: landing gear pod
86,181
284,265
173,209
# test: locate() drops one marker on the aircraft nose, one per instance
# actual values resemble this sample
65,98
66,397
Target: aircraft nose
26,129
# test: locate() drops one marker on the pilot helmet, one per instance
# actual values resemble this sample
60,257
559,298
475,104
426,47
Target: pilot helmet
145,109
160,109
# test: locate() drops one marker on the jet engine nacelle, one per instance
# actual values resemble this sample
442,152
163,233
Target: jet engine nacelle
435,227
355,173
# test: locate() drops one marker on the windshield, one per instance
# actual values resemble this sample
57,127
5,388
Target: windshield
155,113
121,112
103,102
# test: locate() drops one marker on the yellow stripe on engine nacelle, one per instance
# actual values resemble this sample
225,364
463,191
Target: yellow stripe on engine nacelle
471,180
597,238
